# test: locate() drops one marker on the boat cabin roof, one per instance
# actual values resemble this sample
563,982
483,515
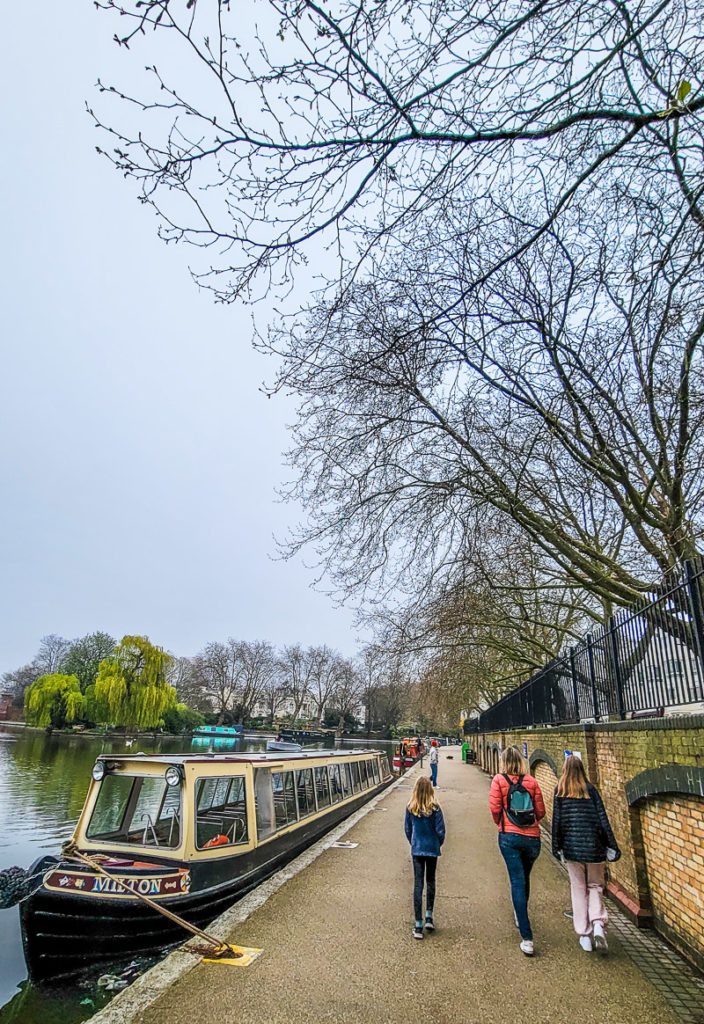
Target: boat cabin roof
253,757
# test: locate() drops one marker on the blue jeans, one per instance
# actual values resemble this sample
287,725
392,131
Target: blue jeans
434,774
520,853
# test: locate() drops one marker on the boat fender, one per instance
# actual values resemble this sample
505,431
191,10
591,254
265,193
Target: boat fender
216,841
15,884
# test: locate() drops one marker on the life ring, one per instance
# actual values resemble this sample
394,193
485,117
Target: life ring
216,841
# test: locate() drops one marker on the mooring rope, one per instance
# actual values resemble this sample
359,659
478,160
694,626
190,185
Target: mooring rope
71,853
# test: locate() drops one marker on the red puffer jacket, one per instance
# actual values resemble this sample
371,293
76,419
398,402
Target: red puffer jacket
497,802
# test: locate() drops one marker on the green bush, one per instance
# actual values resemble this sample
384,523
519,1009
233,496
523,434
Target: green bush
180,719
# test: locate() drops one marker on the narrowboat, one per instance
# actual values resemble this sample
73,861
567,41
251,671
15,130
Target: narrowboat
305,736
408,751
219,731
192,832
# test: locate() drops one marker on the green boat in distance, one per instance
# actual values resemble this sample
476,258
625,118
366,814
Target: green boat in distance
219,731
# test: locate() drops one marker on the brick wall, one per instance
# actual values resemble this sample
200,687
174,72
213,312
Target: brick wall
673,840
650,773
547,780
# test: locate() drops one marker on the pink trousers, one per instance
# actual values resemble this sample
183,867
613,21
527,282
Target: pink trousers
587,888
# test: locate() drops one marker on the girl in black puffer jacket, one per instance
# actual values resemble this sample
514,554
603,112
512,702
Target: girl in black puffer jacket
583,839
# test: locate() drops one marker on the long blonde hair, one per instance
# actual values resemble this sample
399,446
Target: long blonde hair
423,800
512,762
573,781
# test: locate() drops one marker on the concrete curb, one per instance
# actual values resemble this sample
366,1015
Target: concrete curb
151,985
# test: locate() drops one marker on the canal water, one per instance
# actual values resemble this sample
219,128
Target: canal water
43,783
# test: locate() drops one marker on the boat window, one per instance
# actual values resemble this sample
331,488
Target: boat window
264,803
373,771
335,782
221,812
284,798
346,781
213,794
322,789
363,774
306,792
141,811
356,785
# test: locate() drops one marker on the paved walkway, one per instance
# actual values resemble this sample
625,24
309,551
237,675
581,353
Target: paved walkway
337,943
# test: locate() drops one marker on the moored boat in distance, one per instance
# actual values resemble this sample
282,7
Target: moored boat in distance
410,748
278,744
218,731
305,736
192,832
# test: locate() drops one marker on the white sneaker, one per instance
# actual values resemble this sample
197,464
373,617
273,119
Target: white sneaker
585,942
527,947
600,942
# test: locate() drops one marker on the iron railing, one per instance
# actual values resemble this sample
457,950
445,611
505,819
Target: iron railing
644,659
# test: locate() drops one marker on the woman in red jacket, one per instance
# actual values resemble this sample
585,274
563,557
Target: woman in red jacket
516,805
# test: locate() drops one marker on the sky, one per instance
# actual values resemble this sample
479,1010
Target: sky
139,460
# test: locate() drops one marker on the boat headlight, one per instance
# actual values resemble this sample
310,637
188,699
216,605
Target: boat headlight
98,770
172,775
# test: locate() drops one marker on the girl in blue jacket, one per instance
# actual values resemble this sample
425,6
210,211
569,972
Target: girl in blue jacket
425,831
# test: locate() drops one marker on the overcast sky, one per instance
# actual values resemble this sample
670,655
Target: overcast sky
139,459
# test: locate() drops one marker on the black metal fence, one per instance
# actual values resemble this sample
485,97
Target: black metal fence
644,659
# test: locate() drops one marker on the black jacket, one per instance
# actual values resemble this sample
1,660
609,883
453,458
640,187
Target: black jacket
581,829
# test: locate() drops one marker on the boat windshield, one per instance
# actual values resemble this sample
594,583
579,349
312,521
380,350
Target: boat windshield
139,810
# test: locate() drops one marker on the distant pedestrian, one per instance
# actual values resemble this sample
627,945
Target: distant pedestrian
583,839
425,830
516,805
434,762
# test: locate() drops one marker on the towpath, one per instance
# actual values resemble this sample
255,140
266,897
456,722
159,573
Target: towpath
337,943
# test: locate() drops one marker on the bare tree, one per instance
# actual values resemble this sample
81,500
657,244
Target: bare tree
363,118
505,604
324,677
370,665
513,326
17,681
216,672
273,694
385,686
189,683
258,674
297,666
347,695
51,654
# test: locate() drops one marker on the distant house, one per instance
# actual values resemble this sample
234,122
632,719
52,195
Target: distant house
5,706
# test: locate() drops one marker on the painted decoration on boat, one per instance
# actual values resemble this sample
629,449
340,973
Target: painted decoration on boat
86,884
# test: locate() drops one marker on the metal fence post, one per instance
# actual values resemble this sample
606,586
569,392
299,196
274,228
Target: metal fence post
695,604
592,677
613,648
575,691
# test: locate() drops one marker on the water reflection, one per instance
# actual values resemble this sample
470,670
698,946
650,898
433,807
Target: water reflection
43,784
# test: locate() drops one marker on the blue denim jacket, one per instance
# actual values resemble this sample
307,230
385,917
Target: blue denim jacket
426,835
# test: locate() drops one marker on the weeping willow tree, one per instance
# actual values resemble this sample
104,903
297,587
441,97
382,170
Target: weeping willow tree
54,699
131,688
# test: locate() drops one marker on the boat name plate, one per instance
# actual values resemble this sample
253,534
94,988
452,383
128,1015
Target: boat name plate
86,884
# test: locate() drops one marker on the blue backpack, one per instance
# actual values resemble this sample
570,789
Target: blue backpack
519,805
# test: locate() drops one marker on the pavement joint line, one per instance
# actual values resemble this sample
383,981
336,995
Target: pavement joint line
148,987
